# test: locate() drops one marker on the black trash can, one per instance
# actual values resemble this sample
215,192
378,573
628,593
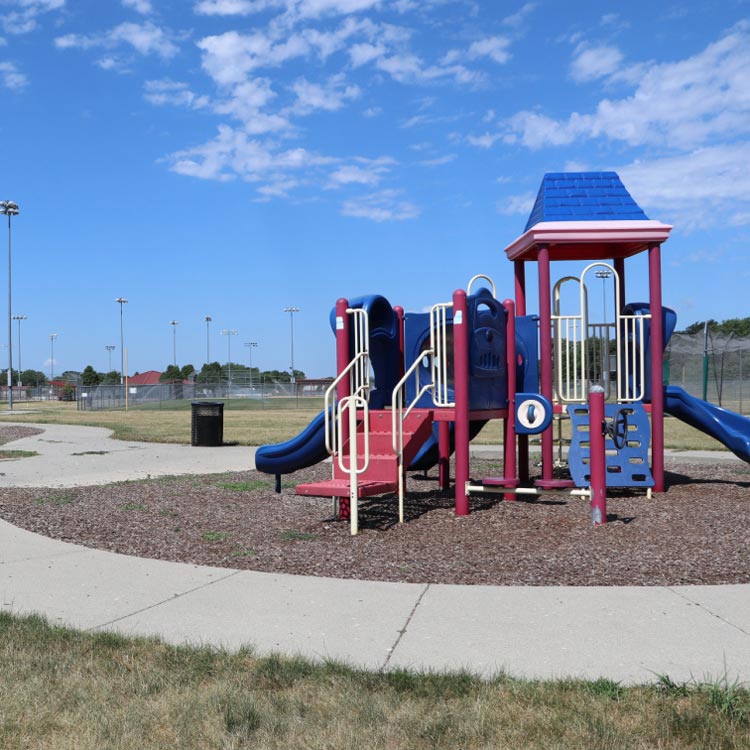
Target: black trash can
207,427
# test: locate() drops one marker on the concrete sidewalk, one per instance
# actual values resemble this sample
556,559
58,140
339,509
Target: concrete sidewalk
629,634
71,456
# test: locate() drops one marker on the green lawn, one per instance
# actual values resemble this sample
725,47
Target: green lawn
68,690
252,422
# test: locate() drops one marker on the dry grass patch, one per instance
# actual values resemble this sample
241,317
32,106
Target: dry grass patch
63,689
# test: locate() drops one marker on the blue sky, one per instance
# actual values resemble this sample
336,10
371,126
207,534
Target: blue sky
233,157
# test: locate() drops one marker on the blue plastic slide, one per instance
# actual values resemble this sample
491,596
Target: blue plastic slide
306,449
729,428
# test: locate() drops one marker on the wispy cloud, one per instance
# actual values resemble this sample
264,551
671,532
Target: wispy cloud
11,77
139,6
23,19
384,205
145,38
681,104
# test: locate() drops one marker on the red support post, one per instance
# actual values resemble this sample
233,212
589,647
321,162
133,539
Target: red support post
597,458
657,367
509,444
545,353
444,453
461,397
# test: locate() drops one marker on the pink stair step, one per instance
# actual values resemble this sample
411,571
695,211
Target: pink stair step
340,488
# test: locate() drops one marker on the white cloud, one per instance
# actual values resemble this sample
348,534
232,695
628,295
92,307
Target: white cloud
176,93
696,189
438,161
483,141
365,172
11,77
681,104
24,20
494,47
517,19
384,205
229,7
591,63
139,6
233,153
329,97
145,38
516,204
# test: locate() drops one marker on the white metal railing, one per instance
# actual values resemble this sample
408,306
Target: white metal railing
441,354
581,348
486,278
438,357
349,408
569,333
358,372
631,357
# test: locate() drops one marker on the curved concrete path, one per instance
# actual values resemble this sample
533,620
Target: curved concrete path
629,634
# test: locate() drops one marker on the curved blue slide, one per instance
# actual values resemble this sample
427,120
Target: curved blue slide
306,449
728,427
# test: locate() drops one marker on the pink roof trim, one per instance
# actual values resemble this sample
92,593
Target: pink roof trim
626,232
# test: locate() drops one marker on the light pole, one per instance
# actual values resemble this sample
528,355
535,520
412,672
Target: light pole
122,301
52,338
110,348
208,320
19,318
9,208
174,324
250,346
291,311
229,333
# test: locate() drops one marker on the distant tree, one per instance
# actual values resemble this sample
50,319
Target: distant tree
111,378
90,376
210,373
71,375
4,377
186,371
698,327
171,373
33,377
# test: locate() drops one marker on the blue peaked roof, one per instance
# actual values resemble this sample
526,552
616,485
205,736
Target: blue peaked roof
583,196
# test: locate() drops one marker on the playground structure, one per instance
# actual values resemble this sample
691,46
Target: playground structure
414,388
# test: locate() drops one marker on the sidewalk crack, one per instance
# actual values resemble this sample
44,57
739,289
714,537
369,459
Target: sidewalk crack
163,601
402,632
708,611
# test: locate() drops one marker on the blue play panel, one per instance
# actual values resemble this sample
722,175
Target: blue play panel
626,444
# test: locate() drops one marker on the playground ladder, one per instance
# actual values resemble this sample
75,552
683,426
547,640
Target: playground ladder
366,464
439,354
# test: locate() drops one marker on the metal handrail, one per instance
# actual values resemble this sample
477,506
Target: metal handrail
486,278
329,411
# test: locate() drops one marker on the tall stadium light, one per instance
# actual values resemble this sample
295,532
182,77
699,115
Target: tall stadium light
52,338
19,318
122,301
110,348
291,311
9,208
229,333
250,346
208,320
174,324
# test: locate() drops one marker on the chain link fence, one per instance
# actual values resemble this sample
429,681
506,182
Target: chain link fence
268,394
715,367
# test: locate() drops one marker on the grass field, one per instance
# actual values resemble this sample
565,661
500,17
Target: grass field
251,422
67,690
